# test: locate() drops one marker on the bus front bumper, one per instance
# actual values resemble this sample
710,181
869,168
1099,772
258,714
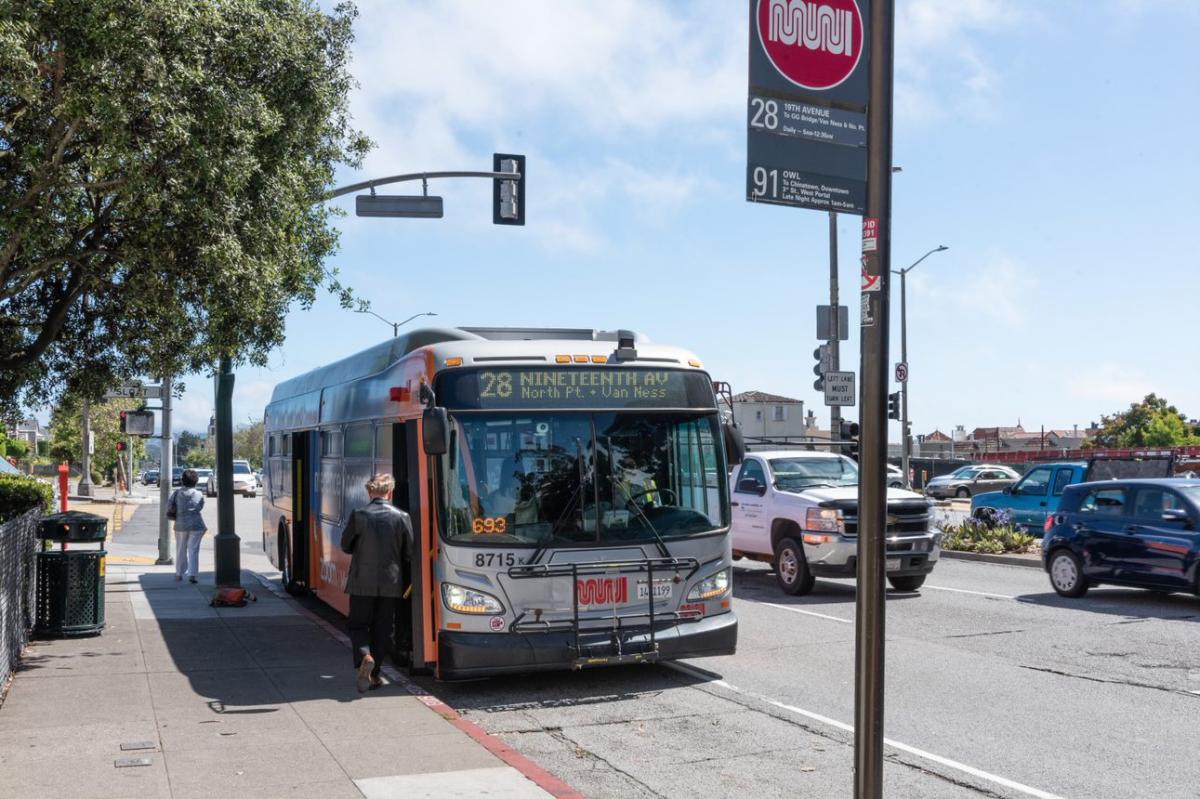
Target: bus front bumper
465,655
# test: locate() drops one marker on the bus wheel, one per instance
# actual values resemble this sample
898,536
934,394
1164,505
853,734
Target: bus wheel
791,568
286,575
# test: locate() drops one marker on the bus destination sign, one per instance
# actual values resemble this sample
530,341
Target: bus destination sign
575,387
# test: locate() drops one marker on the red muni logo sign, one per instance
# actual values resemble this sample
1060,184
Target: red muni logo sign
815,45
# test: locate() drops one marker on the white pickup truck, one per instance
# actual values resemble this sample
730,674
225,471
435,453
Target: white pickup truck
799,511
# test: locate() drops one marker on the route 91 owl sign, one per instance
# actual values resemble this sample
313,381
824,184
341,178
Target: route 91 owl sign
806,112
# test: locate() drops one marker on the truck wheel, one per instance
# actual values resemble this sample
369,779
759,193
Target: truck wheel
791,568
963,493
1066,574
907,583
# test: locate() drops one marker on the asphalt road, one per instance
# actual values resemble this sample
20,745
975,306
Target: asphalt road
995,687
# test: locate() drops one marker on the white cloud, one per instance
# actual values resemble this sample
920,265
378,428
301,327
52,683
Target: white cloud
993,288
193,410
1110,383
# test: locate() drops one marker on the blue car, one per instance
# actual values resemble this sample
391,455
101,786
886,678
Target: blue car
1140,533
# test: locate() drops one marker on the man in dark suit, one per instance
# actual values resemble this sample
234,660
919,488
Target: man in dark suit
380,539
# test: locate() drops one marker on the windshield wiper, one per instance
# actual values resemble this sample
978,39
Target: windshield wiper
541,547
662,545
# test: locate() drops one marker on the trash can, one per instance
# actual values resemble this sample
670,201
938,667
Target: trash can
70,582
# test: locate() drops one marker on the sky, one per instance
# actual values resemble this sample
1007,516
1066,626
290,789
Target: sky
1052,147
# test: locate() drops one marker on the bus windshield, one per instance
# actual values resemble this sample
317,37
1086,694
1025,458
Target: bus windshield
575,479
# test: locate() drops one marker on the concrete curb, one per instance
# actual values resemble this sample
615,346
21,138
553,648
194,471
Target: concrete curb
1028,561
528,769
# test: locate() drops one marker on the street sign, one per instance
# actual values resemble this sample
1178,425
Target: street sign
413,206
806,115
839,388
133,391
825,327
901,372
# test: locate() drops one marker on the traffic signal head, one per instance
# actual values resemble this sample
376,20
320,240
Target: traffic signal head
508,196
137,423
121,444
894,405
124,424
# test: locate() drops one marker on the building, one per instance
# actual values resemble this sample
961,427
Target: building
30,431
770,416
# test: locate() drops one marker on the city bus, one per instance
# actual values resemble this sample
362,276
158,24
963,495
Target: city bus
567,488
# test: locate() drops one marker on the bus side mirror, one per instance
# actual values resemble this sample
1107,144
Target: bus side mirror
735,445
435,431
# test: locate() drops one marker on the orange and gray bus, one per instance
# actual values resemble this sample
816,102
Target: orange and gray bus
567,489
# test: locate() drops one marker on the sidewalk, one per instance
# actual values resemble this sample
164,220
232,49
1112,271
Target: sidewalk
178,699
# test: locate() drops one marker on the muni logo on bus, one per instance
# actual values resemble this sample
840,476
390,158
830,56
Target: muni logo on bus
602,590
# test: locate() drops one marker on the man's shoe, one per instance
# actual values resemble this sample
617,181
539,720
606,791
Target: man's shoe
364,674
192,580
376,682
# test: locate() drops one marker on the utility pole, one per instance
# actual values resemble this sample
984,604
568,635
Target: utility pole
226,545
835,411
85,480
905,439
165,467
872,489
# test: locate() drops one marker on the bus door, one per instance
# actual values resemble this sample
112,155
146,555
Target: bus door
296,568
413,615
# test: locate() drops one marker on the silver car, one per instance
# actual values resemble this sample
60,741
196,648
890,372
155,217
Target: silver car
968,481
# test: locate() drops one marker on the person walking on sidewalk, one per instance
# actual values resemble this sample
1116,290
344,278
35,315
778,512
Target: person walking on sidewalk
379,539
184,507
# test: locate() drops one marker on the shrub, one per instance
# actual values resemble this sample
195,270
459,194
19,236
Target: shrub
19,493
995,535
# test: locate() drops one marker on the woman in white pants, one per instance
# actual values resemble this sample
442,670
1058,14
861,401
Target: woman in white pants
184,507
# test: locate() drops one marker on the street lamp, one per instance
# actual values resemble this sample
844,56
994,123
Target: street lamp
905,438
395,325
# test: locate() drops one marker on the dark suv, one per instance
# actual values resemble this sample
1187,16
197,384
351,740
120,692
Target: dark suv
1141,533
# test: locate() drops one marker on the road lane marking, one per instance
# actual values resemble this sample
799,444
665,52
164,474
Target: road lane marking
965,591
841,725
805,612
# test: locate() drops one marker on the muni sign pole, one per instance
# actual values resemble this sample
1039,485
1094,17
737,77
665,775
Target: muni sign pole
872,484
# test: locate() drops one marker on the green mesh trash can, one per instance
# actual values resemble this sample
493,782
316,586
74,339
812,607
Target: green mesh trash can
70,592
70,582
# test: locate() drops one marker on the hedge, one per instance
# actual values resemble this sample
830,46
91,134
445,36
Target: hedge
19,493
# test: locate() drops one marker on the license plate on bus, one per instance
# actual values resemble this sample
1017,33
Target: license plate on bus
893,564
662,589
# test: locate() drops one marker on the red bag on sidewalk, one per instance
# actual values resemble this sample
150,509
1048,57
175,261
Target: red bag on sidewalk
232,598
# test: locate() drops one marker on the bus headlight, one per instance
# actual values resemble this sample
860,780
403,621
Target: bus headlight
824,520
470,601
711,587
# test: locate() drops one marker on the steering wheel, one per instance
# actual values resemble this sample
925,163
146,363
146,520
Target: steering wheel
640,494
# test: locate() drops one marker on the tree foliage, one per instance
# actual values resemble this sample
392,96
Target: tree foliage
198,458
162,165
1153,422
187,442
248,444
66,432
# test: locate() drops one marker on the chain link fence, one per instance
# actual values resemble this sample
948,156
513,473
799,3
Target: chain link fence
18,550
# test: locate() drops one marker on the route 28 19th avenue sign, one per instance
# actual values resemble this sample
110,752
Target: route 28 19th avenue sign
806,116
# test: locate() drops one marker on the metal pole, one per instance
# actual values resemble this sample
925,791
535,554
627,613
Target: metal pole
905,439
872,496
835,411
85,479
226,545
165,467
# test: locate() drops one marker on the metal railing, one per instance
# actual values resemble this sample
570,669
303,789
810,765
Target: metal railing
18,550
618,630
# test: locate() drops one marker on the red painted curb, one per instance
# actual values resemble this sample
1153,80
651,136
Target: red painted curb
528,769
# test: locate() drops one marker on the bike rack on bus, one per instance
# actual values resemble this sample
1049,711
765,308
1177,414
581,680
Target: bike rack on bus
617,623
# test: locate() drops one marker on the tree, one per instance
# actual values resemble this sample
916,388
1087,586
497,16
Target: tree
162,169
248,443
188,441
66,432
199,458
1153,422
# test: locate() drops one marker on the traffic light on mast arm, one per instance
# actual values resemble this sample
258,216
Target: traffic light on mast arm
894,405
508,196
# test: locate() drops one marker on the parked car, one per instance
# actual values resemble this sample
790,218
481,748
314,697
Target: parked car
150,478
799,511
177,476
967,481
1040,490
1141,533
895,476
244,482
202,478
